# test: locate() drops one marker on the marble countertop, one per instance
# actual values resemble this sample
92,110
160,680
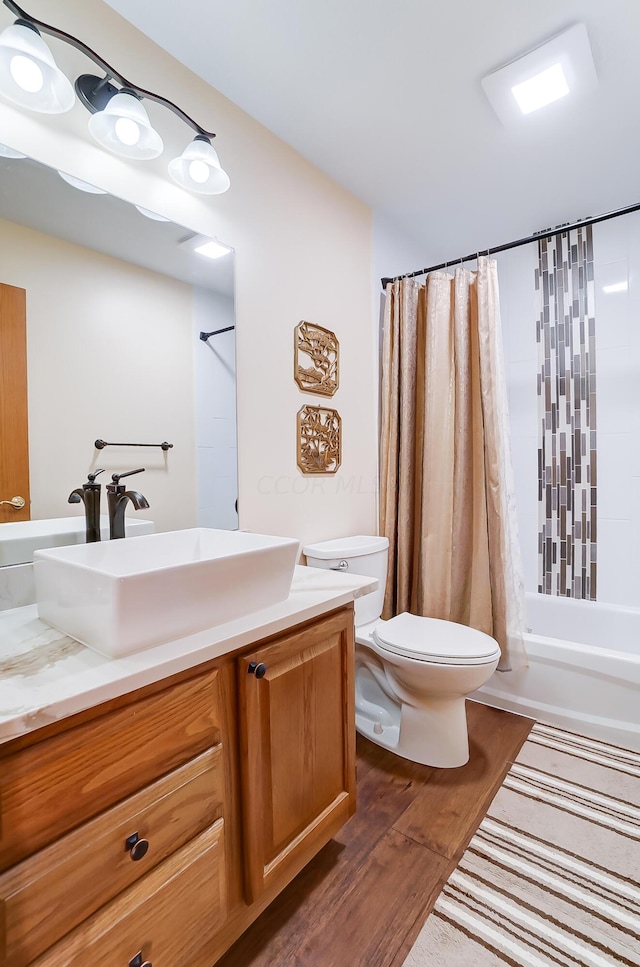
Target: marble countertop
46,676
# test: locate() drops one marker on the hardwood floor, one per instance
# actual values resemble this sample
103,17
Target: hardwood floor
364,898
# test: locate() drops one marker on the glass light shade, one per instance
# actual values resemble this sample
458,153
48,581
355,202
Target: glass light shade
198,169
7,152
29,75
124,128
80,184
153,215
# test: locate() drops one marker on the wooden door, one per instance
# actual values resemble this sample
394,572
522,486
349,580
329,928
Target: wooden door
14,432
297,726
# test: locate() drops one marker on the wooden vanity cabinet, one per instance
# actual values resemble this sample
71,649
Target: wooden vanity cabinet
298,748
156,828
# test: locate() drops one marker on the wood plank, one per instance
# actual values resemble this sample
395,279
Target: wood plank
446,817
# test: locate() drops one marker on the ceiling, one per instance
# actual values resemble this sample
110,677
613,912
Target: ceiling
386,98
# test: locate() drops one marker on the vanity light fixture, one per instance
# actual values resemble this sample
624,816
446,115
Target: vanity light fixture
7,152
29,75
198,168
30,78
123,126
562,68
152,215
80,184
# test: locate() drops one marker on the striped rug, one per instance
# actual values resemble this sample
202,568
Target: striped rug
551,876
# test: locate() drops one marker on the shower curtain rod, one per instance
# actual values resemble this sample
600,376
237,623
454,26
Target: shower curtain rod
549,233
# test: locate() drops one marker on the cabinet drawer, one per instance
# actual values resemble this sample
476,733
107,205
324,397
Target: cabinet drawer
169,917
53,786
52,892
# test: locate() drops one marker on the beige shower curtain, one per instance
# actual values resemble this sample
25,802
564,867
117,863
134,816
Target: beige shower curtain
446,500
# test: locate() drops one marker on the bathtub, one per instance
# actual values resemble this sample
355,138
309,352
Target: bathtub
583,673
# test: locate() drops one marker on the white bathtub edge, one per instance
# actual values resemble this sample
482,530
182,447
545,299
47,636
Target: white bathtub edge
593,726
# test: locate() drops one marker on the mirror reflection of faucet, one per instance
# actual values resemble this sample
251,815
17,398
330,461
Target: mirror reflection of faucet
117,497
89,494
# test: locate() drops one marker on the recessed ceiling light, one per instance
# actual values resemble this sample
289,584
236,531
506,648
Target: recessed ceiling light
541,89
562,68
212,249
615,287
204,245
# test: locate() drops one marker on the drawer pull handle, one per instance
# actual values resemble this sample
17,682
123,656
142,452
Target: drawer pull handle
137,961
259,669
137,848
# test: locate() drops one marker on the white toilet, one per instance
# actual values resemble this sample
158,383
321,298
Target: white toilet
412,673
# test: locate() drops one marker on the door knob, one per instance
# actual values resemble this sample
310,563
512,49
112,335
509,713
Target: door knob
257,668
16,502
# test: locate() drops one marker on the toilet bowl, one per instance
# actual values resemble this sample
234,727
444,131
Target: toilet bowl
412,673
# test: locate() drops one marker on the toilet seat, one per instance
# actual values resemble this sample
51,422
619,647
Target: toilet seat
434,640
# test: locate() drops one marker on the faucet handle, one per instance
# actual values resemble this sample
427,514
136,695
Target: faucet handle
117,476
92,476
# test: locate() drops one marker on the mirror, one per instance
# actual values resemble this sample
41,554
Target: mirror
115,303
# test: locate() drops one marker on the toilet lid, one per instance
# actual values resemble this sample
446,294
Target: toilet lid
431,639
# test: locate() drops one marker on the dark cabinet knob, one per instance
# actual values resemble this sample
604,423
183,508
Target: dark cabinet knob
257,668
137,961
137,848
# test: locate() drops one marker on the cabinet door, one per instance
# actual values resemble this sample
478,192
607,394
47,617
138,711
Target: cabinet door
298,747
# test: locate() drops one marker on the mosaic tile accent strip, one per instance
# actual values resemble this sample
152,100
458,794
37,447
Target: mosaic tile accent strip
567,479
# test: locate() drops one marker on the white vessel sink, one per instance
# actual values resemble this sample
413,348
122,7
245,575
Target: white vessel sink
20,538
118,597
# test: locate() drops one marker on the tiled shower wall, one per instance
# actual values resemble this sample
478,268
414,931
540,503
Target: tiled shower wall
616,260
566,390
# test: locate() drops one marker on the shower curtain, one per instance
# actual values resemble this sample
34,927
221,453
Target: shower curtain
447,495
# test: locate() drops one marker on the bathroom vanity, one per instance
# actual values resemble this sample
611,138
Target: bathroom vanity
151,807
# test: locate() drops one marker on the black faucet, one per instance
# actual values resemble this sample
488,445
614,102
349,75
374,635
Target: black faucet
117,498
89,494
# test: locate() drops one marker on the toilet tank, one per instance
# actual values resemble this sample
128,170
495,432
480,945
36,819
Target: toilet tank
363,555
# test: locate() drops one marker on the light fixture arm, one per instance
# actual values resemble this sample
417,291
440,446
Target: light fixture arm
110,72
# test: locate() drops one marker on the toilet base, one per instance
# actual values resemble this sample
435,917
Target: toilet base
433,735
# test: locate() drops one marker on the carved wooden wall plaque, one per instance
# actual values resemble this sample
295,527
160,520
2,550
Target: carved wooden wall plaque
319,439
316,362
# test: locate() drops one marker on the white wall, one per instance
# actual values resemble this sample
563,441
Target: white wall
303,251
616,248
616,255
216,440
394,253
